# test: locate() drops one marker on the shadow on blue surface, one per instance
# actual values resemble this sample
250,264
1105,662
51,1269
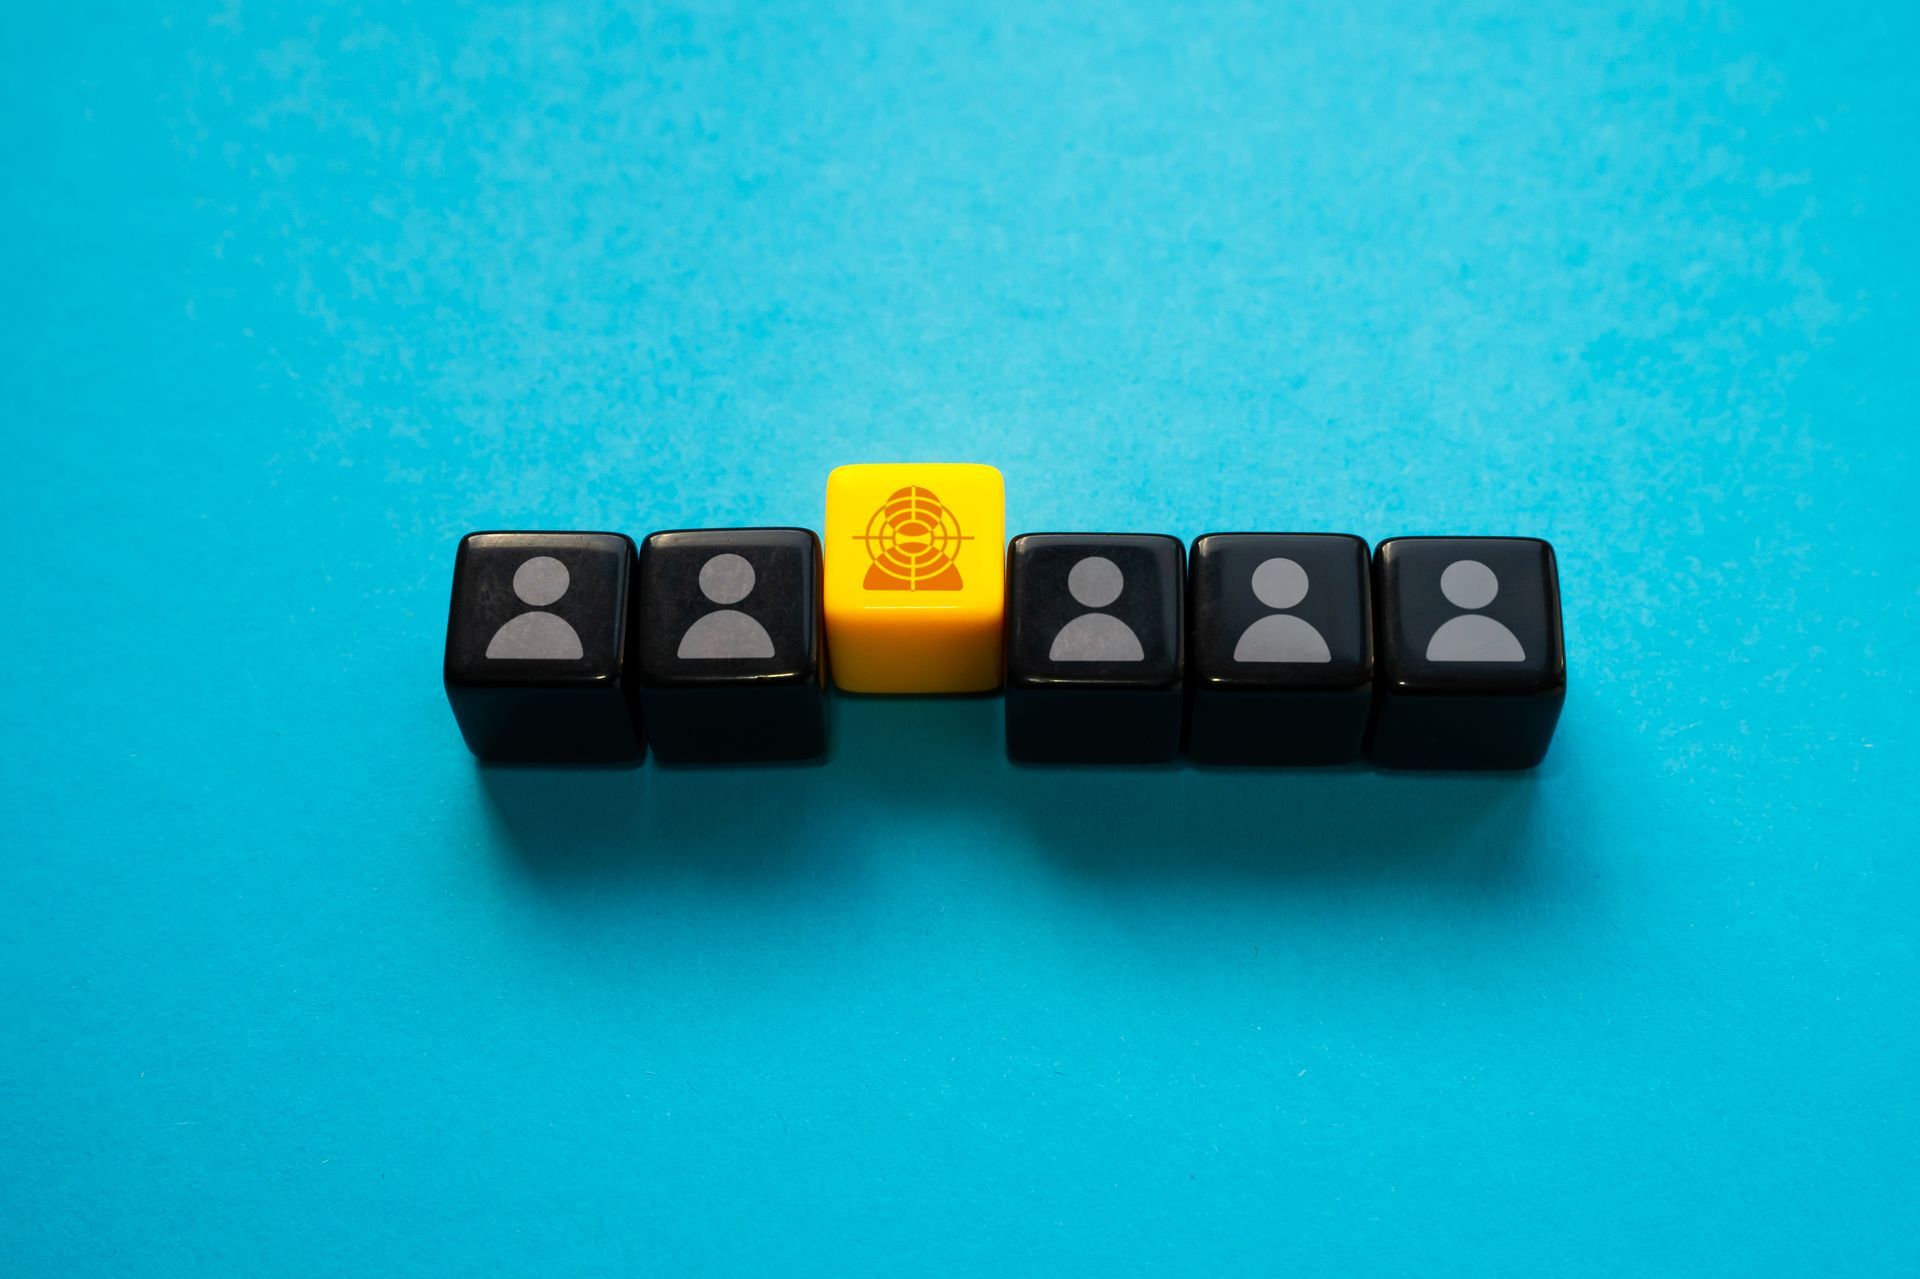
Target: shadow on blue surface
1294,826
914,764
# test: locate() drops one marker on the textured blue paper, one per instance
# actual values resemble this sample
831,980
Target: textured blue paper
294,299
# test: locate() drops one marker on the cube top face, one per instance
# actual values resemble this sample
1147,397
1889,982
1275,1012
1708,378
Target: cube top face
729,607
541,609
1095,610
915,586
1285,611
1469,615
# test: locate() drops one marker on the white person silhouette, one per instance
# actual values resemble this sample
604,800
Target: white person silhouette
726,579
1096,582
1281,637
536,634
1472,637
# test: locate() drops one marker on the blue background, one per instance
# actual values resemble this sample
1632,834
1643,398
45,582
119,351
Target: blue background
295,298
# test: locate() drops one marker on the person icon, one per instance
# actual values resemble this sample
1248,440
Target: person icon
1096,582
1281,583
725,579
1472,637
537,635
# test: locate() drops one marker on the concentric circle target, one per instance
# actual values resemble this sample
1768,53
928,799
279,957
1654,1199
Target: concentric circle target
912,537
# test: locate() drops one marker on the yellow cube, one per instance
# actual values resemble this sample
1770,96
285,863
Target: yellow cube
916,565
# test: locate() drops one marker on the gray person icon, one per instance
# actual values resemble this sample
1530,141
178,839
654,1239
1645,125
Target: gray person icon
1281,583
1096,582
725,579
537,634
1472,637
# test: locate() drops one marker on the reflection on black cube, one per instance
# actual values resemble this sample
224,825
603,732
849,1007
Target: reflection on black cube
1472,669
536,648
732,667
1280,642
1095,648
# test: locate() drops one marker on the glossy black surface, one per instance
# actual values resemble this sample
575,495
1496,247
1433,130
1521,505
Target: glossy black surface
1472,665
732,670
536,661
1095,679
1280,648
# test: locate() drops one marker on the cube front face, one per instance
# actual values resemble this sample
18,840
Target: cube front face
536,654
1473,668
915,586
1095,647
1280,648
730,647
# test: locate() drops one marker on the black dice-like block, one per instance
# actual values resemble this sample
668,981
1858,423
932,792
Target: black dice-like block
1095,648
731,650
1472,668
536,661
1280,645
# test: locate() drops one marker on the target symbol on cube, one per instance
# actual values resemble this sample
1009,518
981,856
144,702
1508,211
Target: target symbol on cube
913,540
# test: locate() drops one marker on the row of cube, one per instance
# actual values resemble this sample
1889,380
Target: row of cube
1249,648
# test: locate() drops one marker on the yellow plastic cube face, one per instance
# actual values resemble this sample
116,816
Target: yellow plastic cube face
916,566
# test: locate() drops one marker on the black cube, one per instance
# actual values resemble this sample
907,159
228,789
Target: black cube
732,663
1280,648
1473,670
1095,648
536,655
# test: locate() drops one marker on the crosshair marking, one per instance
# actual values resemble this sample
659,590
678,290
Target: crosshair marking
913,539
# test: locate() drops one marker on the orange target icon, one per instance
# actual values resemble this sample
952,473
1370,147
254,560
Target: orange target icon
913,540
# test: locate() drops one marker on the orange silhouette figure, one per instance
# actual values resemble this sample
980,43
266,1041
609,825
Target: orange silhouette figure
912,539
